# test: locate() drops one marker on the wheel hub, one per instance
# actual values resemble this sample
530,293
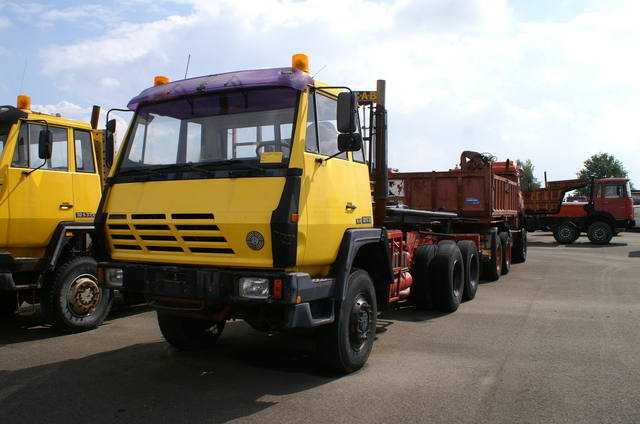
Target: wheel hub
564,232
599,233
84,295
360,322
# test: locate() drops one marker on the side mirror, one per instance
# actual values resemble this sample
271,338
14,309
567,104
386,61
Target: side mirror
347,118
349,142
111,126
45,144
109,148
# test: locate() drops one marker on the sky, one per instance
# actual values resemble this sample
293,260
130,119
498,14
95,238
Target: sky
552,81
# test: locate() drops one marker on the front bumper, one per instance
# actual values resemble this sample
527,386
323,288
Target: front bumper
306,302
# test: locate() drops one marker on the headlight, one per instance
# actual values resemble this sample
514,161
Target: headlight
114,276
254,288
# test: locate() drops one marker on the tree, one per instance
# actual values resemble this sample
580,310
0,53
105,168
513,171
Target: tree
527,174
602,165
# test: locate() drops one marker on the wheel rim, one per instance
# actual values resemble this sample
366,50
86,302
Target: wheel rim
565,233
599,233
360,322
84,295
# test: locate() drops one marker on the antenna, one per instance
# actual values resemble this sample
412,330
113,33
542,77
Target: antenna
187,70
23,73
316,74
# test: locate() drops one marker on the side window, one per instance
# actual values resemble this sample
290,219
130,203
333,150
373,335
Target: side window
84,152
26,153
614,190
322,135
21,154
599,191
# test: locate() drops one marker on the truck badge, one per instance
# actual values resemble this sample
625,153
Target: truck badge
255,240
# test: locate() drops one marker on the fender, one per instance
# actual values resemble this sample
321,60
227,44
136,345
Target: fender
64,232
600,216
9,265
368,249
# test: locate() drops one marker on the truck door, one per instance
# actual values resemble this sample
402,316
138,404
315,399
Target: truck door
335,193
38,199
86,181
612,197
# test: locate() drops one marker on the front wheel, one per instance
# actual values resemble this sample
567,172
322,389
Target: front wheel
185,333
599,233
345,345
72,301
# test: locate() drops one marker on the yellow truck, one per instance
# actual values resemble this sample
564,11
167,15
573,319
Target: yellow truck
248,195
51,177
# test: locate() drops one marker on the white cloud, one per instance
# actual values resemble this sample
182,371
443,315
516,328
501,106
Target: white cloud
461,75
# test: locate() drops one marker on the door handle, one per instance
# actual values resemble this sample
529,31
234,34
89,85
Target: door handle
351,206
66,206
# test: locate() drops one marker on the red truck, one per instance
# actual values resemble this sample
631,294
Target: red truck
608,211
486,196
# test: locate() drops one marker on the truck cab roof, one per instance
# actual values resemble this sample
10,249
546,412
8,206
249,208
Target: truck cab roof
284,77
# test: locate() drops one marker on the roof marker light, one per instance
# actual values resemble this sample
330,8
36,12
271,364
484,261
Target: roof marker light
300,61
24,102
159,80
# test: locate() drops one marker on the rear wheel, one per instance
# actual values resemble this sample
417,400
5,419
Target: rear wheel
189,334
566,232
72,301
471,262
345,344
448,281
519,248
599,233
493,268
422,273
506,240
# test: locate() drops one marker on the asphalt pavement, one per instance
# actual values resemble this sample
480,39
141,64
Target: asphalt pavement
554,341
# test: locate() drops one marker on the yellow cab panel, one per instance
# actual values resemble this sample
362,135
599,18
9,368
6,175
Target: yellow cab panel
37,194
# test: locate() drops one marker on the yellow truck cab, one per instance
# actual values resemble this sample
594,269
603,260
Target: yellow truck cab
51,177
247,195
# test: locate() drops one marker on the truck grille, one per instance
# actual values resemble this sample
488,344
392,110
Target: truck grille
187,233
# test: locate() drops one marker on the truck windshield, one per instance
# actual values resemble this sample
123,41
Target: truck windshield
4,133
249,129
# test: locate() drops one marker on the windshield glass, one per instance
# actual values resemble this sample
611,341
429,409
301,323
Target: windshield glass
4,133
223,130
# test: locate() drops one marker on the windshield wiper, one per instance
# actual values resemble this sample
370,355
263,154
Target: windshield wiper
140,171
233,162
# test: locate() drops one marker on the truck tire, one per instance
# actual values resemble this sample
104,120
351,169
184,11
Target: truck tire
448,278
599,232
8,305
519,249
422,273
186,333
506,240
471,262
345,345
566,232
72,301
492,270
